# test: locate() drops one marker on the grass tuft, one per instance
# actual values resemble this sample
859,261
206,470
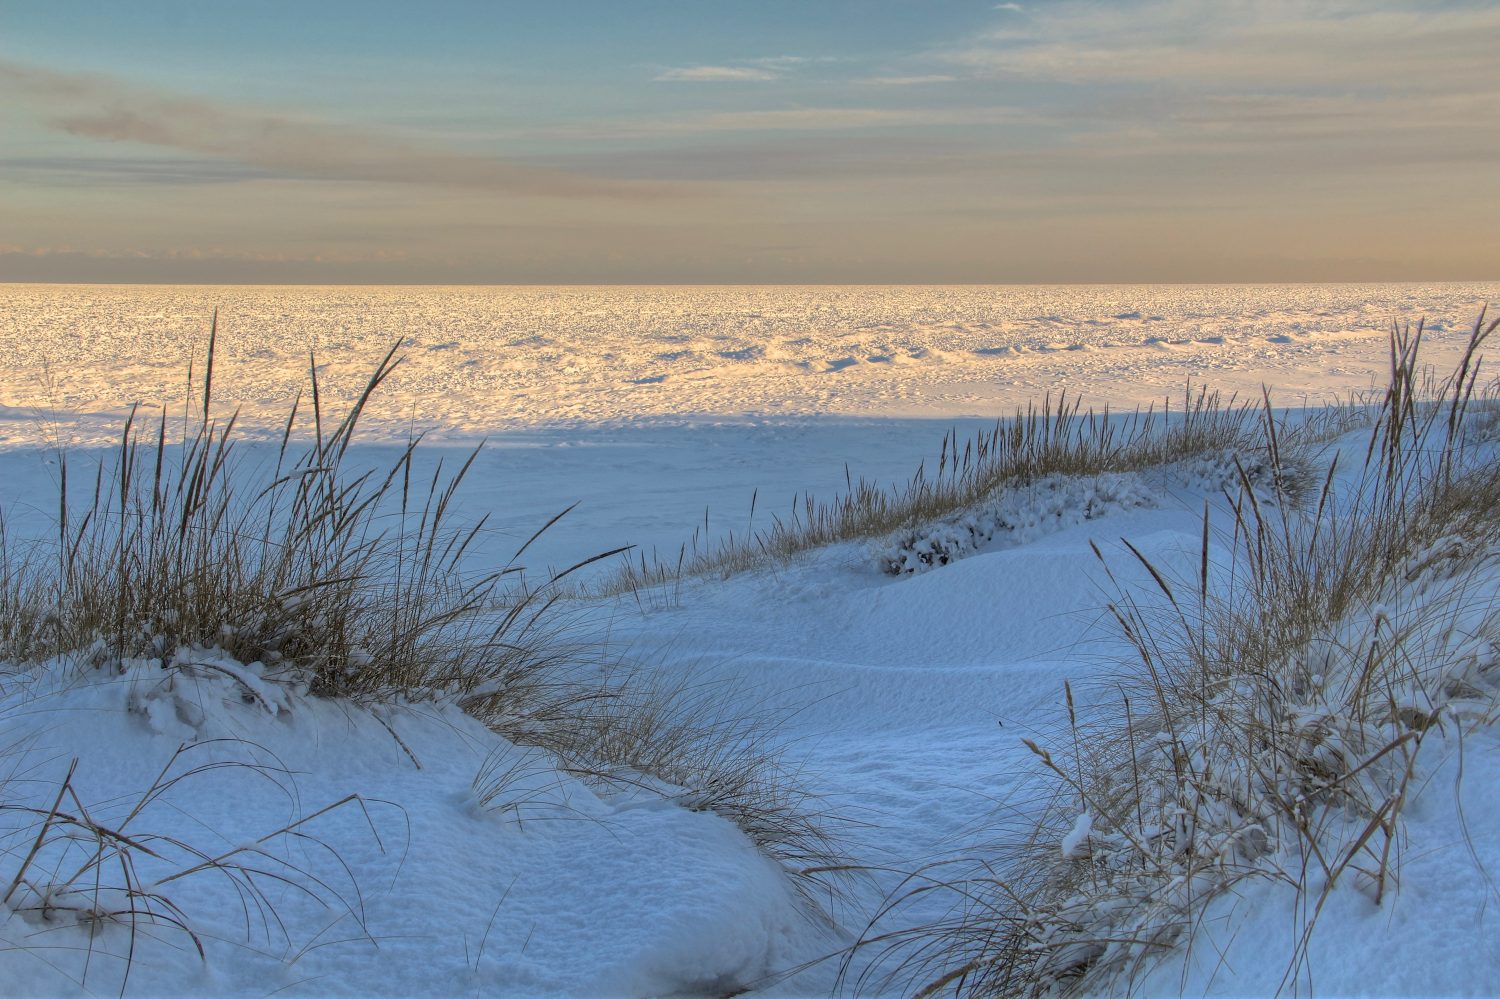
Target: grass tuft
188,555
682,743
1057,438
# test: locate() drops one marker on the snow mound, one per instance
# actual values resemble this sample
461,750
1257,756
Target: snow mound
207,829
1025,512
1016,516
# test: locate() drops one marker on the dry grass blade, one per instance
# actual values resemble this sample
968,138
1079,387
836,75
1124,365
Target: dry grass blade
81,871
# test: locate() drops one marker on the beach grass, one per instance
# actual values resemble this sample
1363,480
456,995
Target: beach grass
1057,437
312,575
1269,727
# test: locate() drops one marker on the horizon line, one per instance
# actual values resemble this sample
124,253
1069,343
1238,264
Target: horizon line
732,284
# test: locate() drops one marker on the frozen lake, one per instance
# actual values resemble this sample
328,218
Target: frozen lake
479,360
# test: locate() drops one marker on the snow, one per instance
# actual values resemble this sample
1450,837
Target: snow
548,872
904,697
1017,516
481,360
1076,841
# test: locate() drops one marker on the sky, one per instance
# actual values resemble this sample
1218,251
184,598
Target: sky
886,141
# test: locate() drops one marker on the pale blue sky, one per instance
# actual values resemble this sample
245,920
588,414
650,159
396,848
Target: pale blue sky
897,140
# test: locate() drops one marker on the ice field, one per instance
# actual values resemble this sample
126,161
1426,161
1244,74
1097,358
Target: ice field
480,360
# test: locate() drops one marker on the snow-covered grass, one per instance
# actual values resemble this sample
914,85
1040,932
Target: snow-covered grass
184,577
1251,760
1272,726
1057,439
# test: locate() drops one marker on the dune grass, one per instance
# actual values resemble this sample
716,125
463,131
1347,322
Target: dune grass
350,583
310,574
1292,717
1058,437
1269,727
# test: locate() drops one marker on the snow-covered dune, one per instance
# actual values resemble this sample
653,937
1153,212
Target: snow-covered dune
901,699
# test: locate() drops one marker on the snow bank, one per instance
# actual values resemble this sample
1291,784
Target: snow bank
407,885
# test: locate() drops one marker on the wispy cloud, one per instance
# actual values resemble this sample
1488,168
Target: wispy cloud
781,60
107,110
1263,43
200,253
915,80
762,69
1330,83
800,156
97,171
1013,7
793,119
716,74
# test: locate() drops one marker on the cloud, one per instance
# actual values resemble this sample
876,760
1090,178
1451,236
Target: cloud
95,171
1271,44
791,157
196,253
759,70
716,74
909,81
793,119
820,119
99,108
1327,84
1014,7
781,60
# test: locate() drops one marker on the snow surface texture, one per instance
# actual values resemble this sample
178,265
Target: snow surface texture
907,695
483,359
416,888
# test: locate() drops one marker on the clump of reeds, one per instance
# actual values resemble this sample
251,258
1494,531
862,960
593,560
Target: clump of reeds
352,583
1059,438
694,744
1271,727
